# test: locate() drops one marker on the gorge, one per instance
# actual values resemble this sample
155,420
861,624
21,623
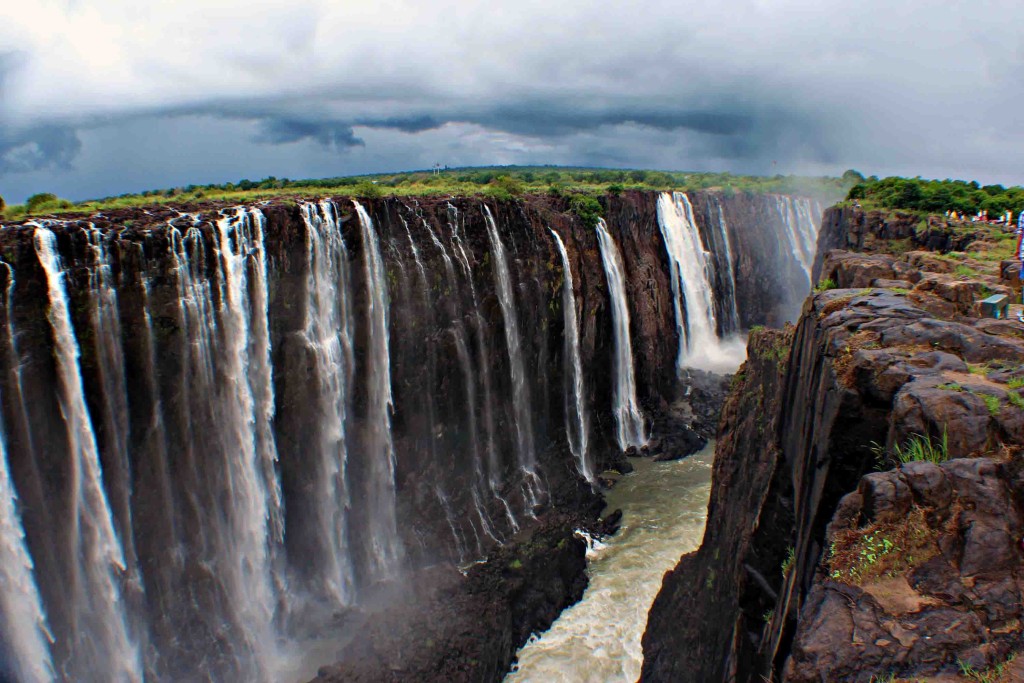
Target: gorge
239,436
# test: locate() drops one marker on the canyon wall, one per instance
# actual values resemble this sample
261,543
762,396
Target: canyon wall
892,354
228,428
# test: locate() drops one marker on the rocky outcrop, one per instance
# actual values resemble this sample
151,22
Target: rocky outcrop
456,629
868,371
852,228
924,576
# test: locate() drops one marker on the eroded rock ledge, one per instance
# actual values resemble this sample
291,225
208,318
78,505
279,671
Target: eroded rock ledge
864,371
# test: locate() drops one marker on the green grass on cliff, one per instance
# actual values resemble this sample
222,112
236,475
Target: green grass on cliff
501,182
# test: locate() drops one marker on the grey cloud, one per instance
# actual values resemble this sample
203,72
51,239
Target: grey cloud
330,134
38,149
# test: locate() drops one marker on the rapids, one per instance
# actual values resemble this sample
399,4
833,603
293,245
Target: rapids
664,507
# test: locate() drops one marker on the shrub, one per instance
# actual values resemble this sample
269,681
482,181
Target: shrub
3,205
367,190
586,208
41,201
787,563
508,185
825,285
917,447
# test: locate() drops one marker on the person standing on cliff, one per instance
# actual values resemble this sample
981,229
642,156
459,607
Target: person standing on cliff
1020,256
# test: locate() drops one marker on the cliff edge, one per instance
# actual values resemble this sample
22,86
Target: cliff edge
891,359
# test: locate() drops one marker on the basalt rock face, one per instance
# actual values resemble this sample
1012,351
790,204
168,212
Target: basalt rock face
231,427
851,228
865,367
955,599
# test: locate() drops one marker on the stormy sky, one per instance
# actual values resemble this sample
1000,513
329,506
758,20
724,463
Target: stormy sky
101,97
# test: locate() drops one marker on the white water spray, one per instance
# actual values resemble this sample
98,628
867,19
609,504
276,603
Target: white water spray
577,425
97,611
629,420
24,646
691,273
520,391
328,333
383,523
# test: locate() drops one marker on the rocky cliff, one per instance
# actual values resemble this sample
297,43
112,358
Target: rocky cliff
233,430
870,371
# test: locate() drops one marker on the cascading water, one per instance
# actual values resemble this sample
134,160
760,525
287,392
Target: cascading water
245,561
220,486
459,332
727,301
520,391
383,525
577,424
493,465
327,334
798,217
629,420
691,273
24,650
103,642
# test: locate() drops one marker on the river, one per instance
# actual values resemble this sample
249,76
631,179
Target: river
597,640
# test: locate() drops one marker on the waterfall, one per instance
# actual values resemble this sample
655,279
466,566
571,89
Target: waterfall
690,272
727,302
24,647
245,560
469,381
520,390
799,220
103,640
493,465
577,425
383,531
629,420
328,334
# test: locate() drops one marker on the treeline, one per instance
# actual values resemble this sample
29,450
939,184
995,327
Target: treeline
497,181
938,196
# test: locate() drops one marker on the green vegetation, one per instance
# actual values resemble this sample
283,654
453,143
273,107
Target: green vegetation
991,402
500,182
367,189
1016,383
587,208
787,563
1015,400
825,285
938,196
883,549
993,674
950,386
917,447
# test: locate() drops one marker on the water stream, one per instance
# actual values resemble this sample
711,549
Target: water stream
629,420
664,508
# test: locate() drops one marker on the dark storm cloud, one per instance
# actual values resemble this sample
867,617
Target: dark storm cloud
38,149
330,134
315,86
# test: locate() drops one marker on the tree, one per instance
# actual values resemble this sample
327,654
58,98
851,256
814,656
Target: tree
40,201
3,205
852,177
